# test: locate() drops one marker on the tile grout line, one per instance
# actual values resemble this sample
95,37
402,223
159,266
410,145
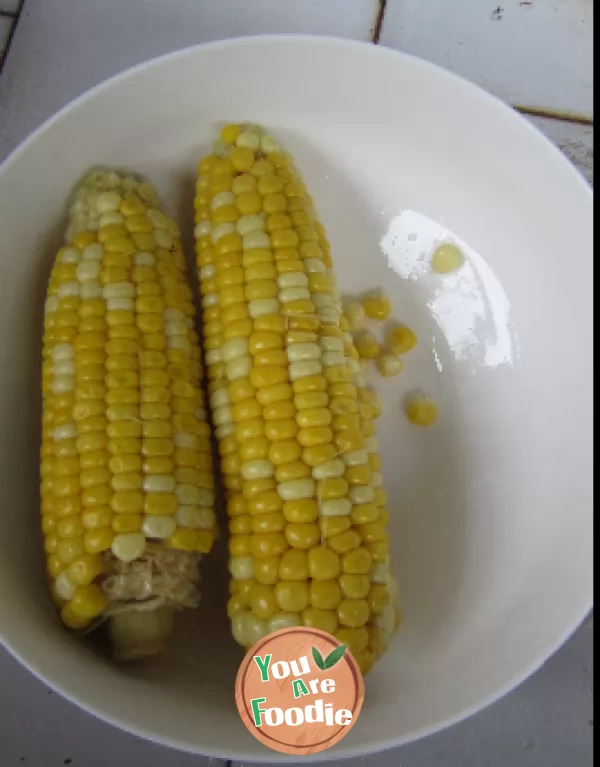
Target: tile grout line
378,22
15,17
550,114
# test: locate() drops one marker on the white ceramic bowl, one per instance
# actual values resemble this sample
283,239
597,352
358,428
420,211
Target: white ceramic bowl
491,510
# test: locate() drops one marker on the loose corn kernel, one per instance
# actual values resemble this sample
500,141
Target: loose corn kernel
400,340
447,258
367,345
377,305
421,411
389,365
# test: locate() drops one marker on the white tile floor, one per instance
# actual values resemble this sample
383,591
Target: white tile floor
531,52
536,53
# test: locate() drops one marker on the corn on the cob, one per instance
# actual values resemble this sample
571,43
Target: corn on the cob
127,488
294,419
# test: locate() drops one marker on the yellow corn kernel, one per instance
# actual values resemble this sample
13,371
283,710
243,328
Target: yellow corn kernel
248,203
267,523
389,365
184,539
354,585
377,306
302,535
325,595
447,258
400,340
316,383
281,429
334,487
293,470
266,570
292,596
323,563
72,620
293,566
344,542
315,455
353,613
326,620
263,601
357,562
421,411
280,410
268,544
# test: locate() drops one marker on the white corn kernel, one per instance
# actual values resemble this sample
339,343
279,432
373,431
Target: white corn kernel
159,483
332,468
63,352
222,415
256,239
376,479
63,384
208,271
258,469
93,252
371,444
106,202
268,144
248,139
112,217
314,265
236,347
175,328
64,368
68,290
143,258
91,290
119,290
238,627
355,315
221,199
239,368
361,494
224,430
221,230
188,441
335,507
389,365
355,365
331,344
241,568
329,315
298,352
304,368
262,306
296,488
213,356
321,300
64,431
128,546
380,572
294,294
202,229
159,527
120,304
70,256
292,280
219,398
65,588
210,299
329,359
51,305
251,223
355,457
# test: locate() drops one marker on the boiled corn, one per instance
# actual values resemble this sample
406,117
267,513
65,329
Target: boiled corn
127,486
308,542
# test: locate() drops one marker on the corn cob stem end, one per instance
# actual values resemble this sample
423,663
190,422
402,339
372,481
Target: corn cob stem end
137,634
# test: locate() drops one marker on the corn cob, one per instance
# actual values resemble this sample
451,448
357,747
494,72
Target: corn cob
293,416
127,489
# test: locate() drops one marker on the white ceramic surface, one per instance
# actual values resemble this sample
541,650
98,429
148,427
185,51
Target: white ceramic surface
491,510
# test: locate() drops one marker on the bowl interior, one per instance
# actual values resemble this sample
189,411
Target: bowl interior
491,513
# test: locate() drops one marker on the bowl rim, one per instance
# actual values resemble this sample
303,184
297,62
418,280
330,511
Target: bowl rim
504,110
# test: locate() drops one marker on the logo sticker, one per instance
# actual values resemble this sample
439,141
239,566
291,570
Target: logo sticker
299,690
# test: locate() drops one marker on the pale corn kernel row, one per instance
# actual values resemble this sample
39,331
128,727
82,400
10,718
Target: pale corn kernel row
126,447
307,512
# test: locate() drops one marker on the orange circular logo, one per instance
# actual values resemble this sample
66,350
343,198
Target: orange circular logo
299,690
